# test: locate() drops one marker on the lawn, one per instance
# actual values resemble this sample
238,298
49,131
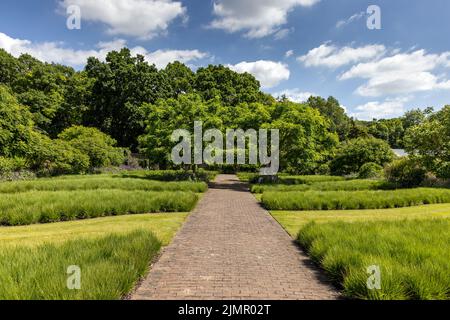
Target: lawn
113,253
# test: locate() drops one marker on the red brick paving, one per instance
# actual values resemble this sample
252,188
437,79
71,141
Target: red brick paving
231,248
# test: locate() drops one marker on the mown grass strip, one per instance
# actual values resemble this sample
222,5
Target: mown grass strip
412,256
347,200
350,185
100,183
162,225
43,207
110,267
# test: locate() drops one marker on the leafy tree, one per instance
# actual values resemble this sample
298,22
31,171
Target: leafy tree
10,68
99,147
16,125
231,87
305,140
180,78
168,115
358,130
121,86
389,130
353,154
429,142
330,108
42,88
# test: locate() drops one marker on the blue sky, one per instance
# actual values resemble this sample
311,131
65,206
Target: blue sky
295,47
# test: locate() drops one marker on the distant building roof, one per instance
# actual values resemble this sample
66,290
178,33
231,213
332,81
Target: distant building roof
400,152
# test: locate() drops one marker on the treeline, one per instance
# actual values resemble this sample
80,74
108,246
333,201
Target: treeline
55,120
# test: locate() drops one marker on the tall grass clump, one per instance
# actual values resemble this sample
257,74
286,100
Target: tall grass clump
350,185
44,207
349,200
100,183
413,257
110,267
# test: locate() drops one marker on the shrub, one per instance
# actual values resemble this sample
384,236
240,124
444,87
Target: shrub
370,170
16,125
8,165
99,147
406,173
56,157
353,154
352,200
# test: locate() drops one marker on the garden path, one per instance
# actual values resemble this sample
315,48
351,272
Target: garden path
231,248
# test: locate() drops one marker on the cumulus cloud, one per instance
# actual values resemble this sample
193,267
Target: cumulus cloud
295,95
162,58
56,52
282,34
289,53
328,55
269,73
402,73
138,18
257,18
390,108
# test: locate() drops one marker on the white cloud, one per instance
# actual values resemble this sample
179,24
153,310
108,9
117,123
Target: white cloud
138,18
401,73
331,56
390,108
282,34
295,95
258,18
289,54
355,17
162,58
269,73
57,53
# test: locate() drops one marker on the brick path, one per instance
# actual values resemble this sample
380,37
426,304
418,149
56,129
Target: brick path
231,248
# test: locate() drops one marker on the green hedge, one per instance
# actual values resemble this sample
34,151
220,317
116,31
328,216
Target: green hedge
347,200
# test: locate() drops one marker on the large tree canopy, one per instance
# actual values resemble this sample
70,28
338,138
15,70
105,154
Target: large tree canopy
430,142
